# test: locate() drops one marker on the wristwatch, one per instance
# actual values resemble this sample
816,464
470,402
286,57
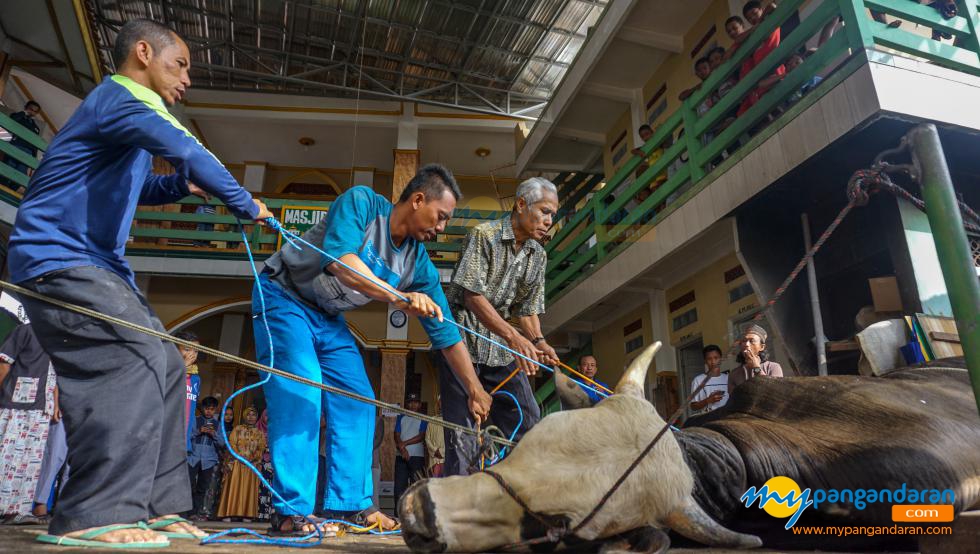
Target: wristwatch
537,340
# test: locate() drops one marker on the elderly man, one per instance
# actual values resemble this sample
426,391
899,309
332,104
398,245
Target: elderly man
753,359
499,276
588,366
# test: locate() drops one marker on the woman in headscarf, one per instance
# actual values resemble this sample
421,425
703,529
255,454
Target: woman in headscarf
240,493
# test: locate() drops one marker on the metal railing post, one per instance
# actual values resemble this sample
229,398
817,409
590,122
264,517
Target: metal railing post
952,246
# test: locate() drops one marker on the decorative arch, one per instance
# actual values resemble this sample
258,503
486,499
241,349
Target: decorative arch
306,181
203,312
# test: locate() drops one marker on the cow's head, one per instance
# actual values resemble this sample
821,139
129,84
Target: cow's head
561,469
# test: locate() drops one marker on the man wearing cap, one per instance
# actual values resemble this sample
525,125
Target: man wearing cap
753,359
410,441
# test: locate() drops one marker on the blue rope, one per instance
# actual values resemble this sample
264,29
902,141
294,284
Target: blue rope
218,538
293,238
304,542
503,451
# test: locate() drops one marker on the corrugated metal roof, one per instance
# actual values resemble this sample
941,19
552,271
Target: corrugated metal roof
496,56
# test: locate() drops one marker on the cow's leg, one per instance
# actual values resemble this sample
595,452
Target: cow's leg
644,540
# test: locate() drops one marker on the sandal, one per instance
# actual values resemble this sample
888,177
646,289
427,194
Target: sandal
359,521
86,539
167,522
298,523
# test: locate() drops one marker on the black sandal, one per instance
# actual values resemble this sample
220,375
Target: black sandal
297,523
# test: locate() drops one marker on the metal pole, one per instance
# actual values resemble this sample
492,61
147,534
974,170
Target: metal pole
811,274
952,247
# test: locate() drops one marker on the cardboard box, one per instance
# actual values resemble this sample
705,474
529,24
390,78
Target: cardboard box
884,294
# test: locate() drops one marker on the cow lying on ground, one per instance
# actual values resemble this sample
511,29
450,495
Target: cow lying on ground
917,427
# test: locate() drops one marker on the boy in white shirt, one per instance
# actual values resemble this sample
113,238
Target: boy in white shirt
714,395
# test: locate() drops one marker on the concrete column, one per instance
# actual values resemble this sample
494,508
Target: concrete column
254,176
666,359
406,152
406,165
143,283
230,340
393,366
362,176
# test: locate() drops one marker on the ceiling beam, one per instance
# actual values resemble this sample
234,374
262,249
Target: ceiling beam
609,92
654,39
580,135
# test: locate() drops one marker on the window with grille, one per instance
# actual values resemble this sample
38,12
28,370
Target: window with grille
685,319
739,292
634,344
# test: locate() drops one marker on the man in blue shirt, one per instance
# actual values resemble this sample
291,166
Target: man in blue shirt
306,295
588,366
122,392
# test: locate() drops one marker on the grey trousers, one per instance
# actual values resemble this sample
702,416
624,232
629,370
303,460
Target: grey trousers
122,397
461,450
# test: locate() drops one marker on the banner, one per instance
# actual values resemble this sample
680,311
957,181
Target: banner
299,219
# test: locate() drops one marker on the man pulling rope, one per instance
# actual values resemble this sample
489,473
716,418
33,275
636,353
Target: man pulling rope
122,392
306,292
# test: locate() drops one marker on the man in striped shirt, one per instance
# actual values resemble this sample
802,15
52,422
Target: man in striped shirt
714,395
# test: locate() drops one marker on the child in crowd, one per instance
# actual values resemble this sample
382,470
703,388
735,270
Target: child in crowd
210,504
193,381
204,461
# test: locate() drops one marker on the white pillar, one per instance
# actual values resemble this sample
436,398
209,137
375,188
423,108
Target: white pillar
666,359
230,340
363,177
408,129
254,176
143,283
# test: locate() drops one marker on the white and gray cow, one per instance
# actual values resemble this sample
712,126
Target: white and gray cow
917,426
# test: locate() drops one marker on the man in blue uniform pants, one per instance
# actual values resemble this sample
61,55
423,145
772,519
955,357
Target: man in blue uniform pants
305,296
122,392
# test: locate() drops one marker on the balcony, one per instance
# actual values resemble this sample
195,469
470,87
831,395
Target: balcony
709,162
180,239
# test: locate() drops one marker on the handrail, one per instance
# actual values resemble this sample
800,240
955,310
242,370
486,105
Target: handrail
570,259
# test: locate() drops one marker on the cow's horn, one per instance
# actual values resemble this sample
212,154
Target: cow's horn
635,377
692,522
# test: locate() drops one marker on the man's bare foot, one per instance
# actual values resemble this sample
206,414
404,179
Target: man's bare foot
40,510
131,535
387,524
179,526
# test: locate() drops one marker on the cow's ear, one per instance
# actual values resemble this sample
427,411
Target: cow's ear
571,395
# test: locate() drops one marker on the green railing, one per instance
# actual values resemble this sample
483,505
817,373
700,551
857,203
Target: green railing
7,172
176,233
699,147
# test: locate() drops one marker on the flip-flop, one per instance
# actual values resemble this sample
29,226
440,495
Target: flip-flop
167,522
85,539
